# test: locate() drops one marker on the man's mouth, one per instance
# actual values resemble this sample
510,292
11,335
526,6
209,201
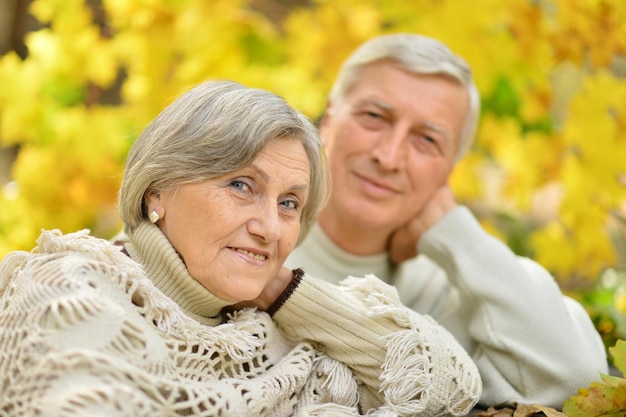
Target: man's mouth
377,183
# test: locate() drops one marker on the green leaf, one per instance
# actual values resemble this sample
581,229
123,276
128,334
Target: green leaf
619,355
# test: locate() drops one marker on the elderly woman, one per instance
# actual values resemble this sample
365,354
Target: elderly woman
192,312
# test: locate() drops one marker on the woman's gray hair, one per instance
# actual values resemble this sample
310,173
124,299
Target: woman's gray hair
214,129
416,54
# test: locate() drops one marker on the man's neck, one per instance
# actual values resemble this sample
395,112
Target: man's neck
353,237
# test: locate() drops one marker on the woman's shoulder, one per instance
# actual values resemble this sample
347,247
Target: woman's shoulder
55,247
54,241
65,265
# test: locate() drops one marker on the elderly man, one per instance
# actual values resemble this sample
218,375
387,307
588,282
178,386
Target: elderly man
402,112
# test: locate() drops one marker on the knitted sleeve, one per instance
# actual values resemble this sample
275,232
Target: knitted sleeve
406,362
284,296
515,315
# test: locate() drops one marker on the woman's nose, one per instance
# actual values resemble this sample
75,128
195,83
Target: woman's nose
265,223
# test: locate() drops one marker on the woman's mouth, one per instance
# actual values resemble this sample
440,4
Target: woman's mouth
253,255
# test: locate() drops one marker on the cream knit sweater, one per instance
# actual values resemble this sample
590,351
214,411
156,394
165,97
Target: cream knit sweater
86,330
531,344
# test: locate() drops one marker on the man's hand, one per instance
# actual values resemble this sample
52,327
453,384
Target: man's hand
403,242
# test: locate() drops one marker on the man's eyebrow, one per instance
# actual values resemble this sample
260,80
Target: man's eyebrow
377,102
436,128
447,141
388,107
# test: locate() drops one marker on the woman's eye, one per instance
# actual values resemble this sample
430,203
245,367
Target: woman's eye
240,185
291,204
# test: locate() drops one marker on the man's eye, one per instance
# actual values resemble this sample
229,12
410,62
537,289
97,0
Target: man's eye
371,119
426,144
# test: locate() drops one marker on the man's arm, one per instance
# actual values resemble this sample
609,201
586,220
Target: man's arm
531,343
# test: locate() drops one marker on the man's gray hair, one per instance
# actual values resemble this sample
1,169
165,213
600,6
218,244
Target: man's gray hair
416,54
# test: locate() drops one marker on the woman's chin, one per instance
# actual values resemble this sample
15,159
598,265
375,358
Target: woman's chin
248,294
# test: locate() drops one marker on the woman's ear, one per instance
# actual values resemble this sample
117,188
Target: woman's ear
153,203
152,197
155,208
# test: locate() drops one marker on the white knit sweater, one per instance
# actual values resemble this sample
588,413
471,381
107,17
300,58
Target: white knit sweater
86,330
531,344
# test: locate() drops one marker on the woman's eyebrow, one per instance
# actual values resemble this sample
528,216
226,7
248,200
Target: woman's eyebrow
266,178
261,172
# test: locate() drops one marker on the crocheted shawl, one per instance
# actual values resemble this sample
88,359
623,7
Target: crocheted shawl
84,331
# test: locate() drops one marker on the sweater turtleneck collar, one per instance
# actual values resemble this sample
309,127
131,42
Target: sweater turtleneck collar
149,246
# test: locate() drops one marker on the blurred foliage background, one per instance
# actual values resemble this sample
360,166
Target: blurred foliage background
79,79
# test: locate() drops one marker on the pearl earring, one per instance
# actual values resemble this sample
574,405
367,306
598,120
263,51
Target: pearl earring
153,216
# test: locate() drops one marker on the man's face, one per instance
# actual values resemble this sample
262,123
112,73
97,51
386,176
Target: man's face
391,143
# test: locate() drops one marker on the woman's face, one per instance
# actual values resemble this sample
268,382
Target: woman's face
234,232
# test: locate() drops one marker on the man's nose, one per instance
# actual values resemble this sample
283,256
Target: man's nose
390,150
